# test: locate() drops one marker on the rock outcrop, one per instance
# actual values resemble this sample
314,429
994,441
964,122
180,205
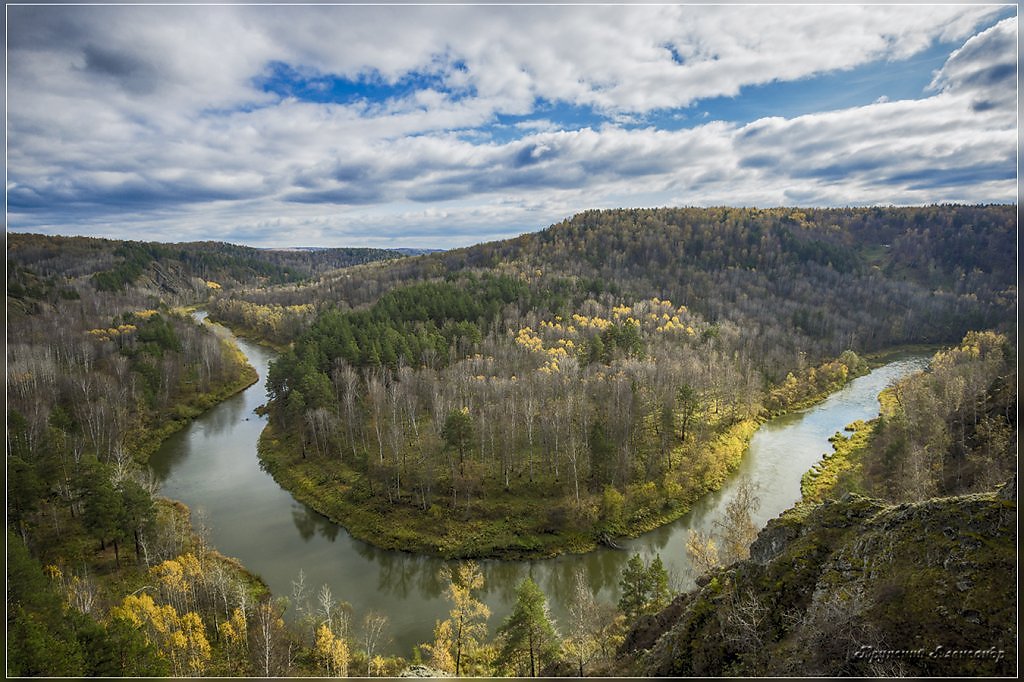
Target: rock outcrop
852,587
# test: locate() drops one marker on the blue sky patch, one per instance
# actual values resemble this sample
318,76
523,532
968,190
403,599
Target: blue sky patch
866,84
308,85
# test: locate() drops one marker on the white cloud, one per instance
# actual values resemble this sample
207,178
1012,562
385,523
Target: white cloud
123,119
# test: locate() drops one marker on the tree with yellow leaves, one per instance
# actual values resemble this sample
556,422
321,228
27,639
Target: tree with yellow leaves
441,649
181,640
331,652
468,617
703,551
178,579
234,632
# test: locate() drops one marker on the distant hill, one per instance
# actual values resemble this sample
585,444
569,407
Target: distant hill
41,266
404,250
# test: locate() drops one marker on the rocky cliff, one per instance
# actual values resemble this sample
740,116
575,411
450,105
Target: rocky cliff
852,587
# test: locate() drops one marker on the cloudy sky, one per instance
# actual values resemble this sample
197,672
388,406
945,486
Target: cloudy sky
444,126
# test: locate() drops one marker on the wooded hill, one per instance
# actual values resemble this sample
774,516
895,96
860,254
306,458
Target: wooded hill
595,378
42,268
816,280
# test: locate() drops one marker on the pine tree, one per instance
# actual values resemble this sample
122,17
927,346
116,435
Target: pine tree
660,593
644,587
634,588
457,432
528,631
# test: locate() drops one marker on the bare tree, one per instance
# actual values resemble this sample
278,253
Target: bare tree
373,632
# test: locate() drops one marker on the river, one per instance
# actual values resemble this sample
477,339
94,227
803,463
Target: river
212,466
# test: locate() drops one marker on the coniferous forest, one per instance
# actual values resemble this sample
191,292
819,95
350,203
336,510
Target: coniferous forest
543,395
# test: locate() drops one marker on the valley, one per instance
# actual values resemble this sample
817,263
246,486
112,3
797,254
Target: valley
598,392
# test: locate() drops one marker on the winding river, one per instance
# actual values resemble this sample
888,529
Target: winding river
211,465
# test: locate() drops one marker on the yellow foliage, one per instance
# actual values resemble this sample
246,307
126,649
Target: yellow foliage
170,575
179,639
441,650
210,284
331,652
235,631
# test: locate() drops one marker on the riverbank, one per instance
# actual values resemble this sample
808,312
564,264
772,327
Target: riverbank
145,444
178,514
248,333
145,440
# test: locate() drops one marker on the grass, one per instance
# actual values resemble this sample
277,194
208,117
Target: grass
822,480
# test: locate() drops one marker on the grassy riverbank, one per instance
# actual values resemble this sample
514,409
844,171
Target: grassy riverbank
841,469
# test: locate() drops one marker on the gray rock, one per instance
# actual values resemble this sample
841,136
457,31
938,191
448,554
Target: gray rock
772,540
423,671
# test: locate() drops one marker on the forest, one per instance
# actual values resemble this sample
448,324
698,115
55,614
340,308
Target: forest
593,380
523,398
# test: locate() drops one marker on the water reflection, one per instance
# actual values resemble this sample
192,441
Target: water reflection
228,414
173,451
212,466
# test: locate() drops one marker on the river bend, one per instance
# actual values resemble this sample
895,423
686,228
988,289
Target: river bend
212,466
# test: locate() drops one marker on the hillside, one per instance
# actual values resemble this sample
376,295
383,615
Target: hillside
43,268
607,370
817,280
835,589
900,545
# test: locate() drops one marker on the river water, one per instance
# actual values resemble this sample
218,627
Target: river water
212,466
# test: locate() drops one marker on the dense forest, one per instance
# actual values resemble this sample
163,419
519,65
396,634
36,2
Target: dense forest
594,379
523,398
102,364
817,281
